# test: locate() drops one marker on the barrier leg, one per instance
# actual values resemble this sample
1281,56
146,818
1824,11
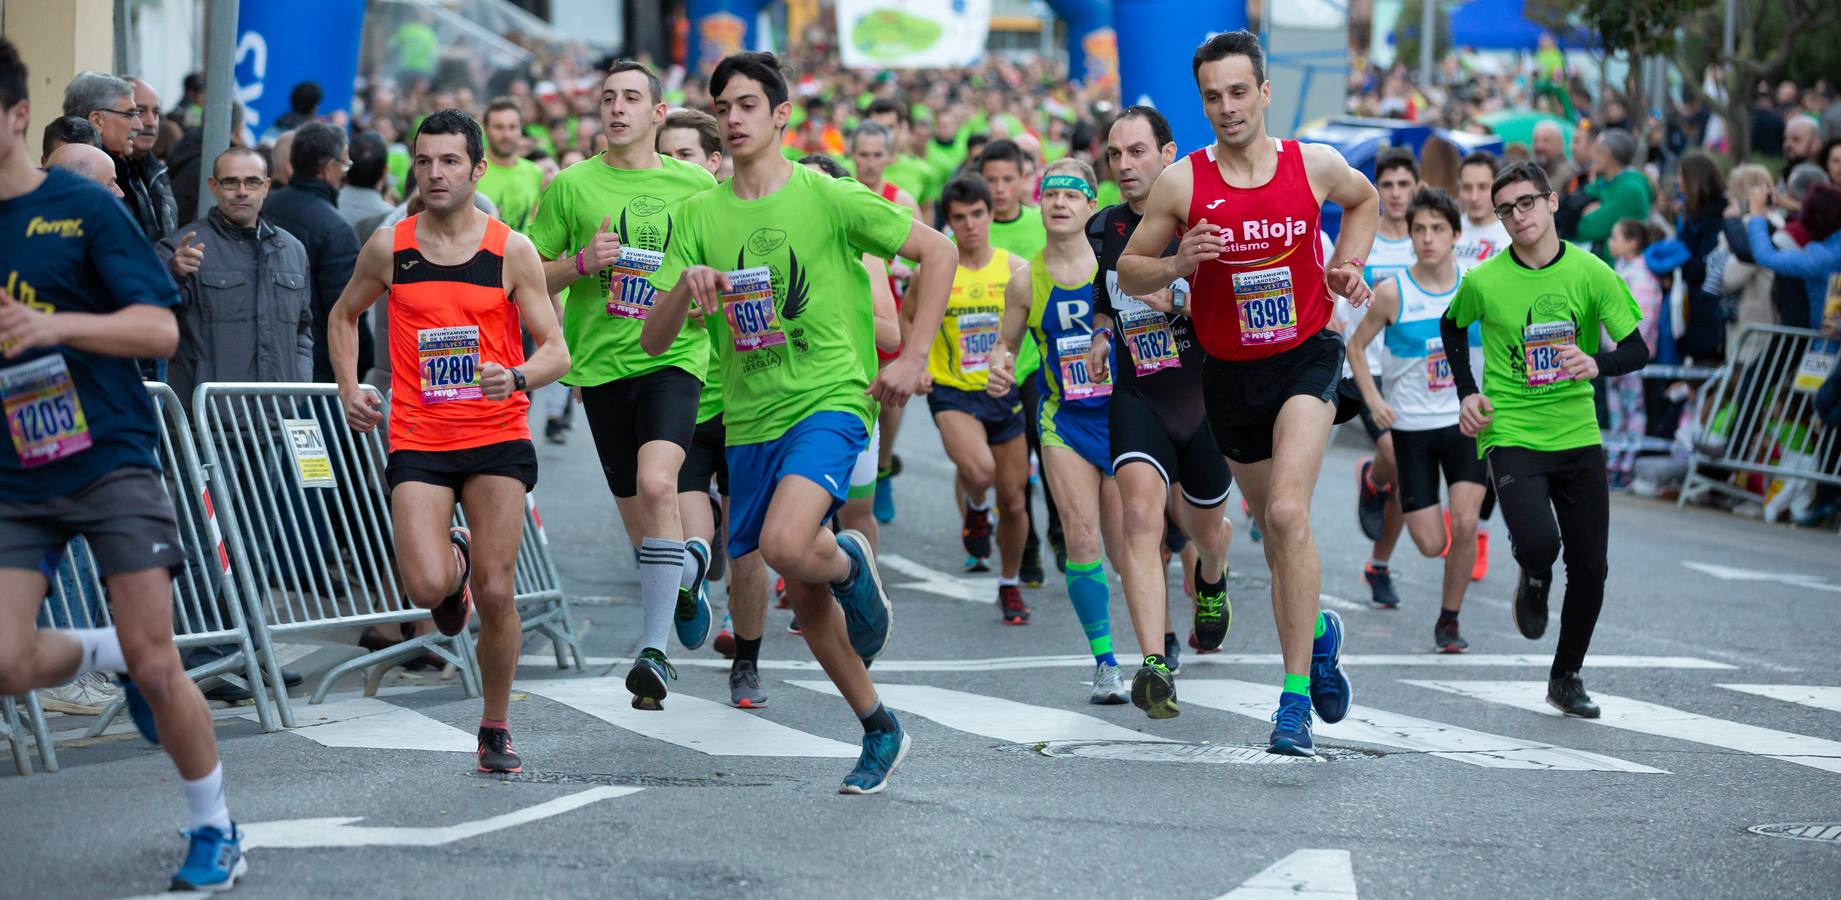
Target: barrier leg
16,735
252,671
41,734
409,649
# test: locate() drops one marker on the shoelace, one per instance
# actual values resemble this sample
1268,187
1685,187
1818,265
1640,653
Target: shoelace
748,676
203,852
661,661
497,740
878,754
1292,716
1208,606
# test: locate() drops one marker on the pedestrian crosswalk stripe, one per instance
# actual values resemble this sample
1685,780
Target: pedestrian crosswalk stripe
368,722
1368,725
993,717
690,722
1661,721
1820,696
1085,661
1304,875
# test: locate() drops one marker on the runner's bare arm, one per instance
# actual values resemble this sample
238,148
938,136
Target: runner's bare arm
669,310
1143,268
138,330
882,299
1385,310
935,259
1002,375
370,281
525,282
1334,180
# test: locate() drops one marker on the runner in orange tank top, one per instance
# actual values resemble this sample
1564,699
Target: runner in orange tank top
461,284
1248,208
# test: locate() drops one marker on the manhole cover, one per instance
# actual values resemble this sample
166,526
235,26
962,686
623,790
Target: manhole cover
1827,832
633,780
1213,754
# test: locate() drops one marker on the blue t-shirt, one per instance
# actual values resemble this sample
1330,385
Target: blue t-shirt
71,247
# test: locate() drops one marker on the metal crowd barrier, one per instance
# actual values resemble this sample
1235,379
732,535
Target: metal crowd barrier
1759,410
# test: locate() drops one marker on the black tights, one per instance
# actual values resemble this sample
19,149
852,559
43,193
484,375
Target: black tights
1550,499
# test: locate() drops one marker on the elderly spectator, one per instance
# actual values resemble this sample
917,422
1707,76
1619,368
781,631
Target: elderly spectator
281,164
68,130
362,197
1802,138
1816,261
150,192
1550,155
1620,192
308,209
85,161
108,103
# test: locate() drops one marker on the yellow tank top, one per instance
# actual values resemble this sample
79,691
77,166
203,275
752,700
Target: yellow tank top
960,355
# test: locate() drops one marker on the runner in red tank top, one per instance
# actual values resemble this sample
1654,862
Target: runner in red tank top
1248,208
458,426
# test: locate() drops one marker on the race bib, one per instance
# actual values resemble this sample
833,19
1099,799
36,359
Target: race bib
1541,345
1076,381
1147,335
629,294
42,411
748,307
450,363
977,335
1437,367
1268,310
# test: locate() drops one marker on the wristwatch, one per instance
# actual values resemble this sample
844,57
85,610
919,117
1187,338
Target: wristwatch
517,380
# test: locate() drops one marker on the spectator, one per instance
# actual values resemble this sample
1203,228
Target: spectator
1742,277
1550,155
68,130
191,111
1625,402
362,197
1802,139
1767,124
1816,261
1698,224
144,179
308,209
183,166
303,105
1830,159
281,163
86,161
1620,192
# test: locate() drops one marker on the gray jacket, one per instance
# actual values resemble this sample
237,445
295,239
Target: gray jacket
246,314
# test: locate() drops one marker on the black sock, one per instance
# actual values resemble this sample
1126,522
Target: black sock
1169,637
878,720
747,649
1447,615
850,577
1202,584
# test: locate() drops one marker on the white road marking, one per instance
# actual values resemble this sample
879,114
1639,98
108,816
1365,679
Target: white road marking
1304,875
690,722
933,581
1085,660
1732,573
1331,600
1661,721
1819,696
374,724
341,832
1368,725
994,717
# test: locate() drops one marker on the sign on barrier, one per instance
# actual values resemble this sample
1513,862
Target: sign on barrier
1757,435
312,465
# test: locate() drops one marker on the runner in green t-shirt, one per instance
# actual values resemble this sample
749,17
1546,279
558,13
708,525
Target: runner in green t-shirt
772,259
1541,306
604,224
511,182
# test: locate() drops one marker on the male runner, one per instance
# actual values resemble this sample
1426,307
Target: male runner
1377,506
461,284
1157,421
1419,406
1542,305
1482,237
1053,297
873,151
773,260
605,224
908,172
982,434
511,182
82,295
1259,297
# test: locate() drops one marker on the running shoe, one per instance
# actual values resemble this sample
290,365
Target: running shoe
214,861
1381,587
1214,613
86,695
1370,501
745,685
1567,694
647,679
724,642
693,615
1445,636
553,432
1154,690
779,593
882,752
1447,551
792,627
1480,569
1252,523
868,614
495,753
138,709
1198,647
884,505
1108,686
1010,605
1331,694
1030,572
975,533
451,616
1531,605
1172,653
1291,728
975,565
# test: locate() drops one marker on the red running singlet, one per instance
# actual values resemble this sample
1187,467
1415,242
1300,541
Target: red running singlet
1265,293
889,193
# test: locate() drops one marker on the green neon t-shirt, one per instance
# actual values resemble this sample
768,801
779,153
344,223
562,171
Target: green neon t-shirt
513,189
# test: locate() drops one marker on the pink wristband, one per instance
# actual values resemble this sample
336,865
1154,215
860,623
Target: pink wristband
579,266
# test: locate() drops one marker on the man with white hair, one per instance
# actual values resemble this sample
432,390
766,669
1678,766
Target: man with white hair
1550,155
1802,137
146,186
85,161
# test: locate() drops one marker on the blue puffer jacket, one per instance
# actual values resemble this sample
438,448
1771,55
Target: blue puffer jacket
1815,263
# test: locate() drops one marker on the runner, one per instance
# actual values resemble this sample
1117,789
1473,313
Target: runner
458,411
796,340
1420,406
1157,420
1482,237
84,296
1258,306
1053,297
1541,306
1377,506
511,182
605,223
982,434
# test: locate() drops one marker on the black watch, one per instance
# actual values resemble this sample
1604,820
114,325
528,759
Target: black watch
517,380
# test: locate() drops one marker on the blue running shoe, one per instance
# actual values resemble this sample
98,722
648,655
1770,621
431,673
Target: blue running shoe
1330,690
138,710
884,506
882,752
214,862
1291,734
693,616
868,614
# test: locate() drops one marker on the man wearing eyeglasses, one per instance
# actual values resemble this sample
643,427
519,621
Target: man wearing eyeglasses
307,208
143,175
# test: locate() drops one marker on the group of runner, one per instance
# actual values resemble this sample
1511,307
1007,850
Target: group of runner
744,332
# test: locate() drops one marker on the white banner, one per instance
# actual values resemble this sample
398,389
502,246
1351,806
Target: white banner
912,34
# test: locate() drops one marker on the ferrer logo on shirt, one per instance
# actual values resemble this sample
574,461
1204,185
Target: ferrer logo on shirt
64,228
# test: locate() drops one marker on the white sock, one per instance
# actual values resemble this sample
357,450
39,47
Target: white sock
661,568
101,650
1376,563
981,502
205,801
1007,582
1483,526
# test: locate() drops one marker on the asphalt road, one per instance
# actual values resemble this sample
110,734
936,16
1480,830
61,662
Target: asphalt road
1449,779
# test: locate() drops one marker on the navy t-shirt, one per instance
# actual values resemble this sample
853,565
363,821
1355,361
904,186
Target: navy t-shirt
70,246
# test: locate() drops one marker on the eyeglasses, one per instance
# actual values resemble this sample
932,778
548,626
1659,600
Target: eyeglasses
1520,205
139,111
252,183
124,113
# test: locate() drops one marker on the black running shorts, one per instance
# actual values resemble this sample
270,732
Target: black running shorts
1190,461
705,459
1244,398
452,468
1421,456
1002,417
630,413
